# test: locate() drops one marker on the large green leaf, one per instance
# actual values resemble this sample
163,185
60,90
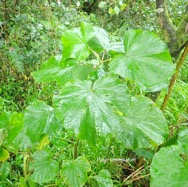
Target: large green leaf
146,60
75,172
87,108
169,166
104,178
75,42
143,124
39,118
45,169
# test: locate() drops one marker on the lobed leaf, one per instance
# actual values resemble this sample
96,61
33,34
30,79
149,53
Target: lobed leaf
146,60
75,172
45,169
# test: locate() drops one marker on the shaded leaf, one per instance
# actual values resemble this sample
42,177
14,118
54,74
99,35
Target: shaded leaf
104,178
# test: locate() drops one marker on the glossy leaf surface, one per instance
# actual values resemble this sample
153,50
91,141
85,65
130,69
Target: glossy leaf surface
143,124
45,169
169,166
62,71
75,172
75,42
87,108
146,60
39,118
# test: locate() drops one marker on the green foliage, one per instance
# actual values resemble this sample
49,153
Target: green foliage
176,164
150,66
93,107
45,169
75,172
39,118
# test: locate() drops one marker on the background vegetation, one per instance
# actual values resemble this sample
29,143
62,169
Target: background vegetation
30,33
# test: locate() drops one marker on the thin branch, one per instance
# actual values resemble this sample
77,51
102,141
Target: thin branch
174,77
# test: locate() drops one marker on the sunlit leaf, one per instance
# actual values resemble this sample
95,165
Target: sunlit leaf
45,168
39,118
75,42
100,40
4,154
146,60
75,172
87,108
143,125
169,166
62,71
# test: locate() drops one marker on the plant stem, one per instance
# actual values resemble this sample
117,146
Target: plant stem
76,149
174,77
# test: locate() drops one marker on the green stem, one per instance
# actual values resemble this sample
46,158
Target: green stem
76,148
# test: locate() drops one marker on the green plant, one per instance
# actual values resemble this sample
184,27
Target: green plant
95,100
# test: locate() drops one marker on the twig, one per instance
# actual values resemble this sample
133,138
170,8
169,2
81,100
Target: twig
174,77
134,173
141,177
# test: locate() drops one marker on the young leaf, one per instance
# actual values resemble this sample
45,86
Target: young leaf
75,172
75,42
39,118
4,154
143,125
100,41
45,169
146,60
104,178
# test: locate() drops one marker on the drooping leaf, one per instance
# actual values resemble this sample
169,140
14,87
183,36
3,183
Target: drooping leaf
143,125
4,154
45,169
75,172
75,42
39,118
104,178
83,106
146,60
